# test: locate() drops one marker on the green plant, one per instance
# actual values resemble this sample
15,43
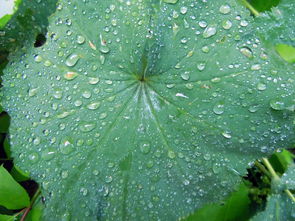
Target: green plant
152,109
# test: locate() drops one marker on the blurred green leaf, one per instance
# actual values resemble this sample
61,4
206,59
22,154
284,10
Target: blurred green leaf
4,122
288,178
6,218
236,207
281,160
12,195
19,175
263,5
287,52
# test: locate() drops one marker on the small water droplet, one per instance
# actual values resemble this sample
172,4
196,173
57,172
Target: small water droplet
104,49
227,24
86,94
201,66
34,157
66,145
171,1
109,179
145,147
183,10
226,134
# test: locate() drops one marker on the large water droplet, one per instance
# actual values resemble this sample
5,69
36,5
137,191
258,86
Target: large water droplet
209,31
277,104
218,109
72,59
224,9
66,145
93,106
87,126
70,75
247,52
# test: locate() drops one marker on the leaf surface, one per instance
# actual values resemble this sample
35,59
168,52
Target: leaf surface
136,106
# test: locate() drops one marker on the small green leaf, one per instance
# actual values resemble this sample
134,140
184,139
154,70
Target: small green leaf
287,52
12,195
6,218
236,207
18,174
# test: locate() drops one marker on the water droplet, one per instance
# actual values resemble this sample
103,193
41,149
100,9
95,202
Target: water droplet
253,108
70,75
104,49
80,39
37,141
226,134
261,86
87,126
170,85
103,116
183,10
185,75
72,59
64,174
48,154
201,66
218,109
227,24
86,94
186,182
57,93
224,9
209,31
277,104
34,157
108,179
93,80
247,52
255,67
171,154
95,172
33,92
66,145
38,58
84,191
145,147
93,106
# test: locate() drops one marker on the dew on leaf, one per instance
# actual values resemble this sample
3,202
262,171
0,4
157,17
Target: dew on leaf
93,80
72,60
247,52
33,92
218,109
93,106
201,66
261,86
86,94
277,104
170,1
80,39
48,154
87,126
224,9
227,24
209,31
70,75
145,147
185,75
34,157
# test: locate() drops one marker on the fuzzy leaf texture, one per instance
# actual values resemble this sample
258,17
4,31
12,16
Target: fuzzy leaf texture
146,110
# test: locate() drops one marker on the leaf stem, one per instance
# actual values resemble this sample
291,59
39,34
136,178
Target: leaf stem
290,195
28,209
273,173
250,7
262,168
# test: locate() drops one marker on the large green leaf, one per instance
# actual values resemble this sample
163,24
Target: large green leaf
12,195
146,110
